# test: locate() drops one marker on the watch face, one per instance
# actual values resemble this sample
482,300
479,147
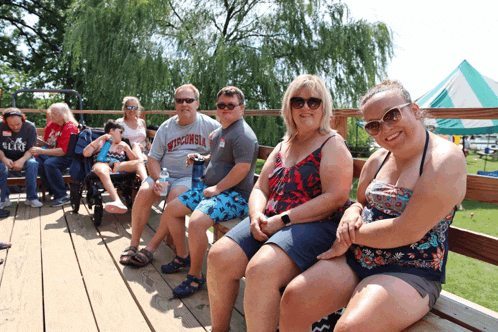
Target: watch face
286,219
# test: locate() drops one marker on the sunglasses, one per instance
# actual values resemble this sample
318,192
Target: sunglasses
222,106
391,117
129,108
298,102
187,100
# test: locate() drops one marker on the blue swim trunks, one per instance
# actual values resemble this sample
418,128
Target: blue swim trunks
225,206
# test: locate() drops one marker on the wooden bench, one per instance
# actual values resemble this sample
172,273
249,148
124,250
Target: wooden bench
493,155
451,313
21,180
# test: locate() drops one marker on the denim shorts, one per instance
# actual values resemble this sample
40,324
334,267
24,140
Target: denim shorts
225,206
173,182
301,242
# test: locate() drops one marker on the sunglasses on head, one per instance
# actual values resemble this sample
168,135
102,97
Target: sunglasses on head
187,100
391,117
129,108
222,106
298,102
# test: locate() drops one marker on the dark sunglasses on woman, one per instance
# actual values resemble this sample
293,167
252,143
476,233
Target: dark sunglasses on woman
391,117
298,102
222,106
187,100
129,108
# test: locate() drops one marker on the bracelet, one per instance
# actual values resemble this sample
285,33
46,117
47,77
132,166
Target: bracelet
92,145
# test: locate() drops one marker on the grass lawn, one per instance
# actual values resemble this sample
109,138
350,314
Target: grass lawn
466,277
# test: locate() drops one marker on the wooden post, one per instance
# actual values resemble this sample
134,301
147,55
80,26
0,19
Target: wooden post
340,124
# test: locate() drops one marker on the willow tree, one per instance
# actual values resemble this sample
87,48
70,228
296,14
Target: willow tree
146,48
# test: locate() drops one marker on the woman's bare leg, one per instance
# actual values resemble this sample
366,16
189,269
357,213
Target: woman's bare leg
267,272
383,303
319,291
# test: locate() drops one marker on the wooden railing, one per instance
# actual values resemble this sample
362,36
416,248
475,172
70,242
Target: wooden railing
468,243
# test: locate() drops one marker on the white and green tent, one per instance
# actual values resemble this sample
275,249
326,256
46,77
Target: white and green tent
464,87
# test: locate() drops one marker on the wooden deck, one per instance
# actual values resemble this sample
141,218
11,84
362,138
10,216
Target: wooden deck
62,274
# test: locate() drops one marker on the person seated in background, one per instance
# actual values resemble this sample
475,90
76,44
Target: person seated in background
17,137
52,160
389,259
134,128
229,179
294,210
117,162
186,132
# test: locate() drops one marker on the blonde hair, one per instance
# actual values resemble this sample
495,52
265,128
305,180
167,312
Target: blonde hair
188,87
311,83
66,113
128,98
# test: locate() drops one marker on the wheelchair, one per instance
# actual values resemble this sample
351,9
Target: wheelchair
125,183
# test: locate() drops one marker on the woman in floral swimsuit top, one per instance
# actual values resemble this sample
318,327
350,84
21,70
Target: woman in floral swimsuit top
388,261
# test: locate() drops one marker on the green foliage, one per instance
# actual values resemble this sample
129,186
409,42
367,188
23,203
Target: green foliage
148,48
357,137
38,27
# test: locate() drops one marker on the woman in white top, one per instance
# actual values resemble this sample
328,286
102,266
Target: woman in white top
134,127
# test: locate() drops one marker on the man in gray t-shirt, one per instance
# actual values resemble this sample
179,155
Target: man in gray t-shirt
185,133
229,179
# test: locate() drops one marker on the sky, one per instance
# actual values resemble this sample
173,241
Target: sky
431,38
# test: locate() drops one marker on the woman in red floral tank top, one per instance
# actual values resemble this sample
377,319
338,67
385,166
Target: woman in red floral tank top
294,212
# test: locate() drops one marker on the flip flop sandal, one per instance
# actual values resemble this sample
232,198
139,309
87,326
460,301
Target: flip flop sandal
126,256
141,260
186,289
175,266
4,213
4,245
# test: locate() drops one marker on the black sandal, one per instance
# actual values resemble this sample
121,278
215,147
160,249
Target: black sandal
175,266
186,288
141,258
126,257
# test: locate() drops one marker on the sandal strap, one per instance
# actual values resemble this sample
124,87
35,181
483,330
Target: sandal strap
126,253
148,256
182,260
191,279
133,248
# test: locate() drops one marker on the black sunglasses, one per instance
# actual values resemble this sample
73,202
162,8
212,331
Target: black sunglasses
391,117
222,106
298,102
129,108
187,100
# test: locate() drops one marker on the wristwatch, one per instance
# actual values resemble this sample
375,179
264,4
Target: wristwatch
286,219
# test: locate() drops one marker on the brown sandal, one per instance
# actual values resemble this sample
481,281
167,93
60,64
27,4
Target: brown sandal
127,256
142,258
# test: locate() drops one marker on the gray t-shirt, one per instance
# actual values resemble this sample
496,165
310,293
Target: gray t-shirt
173,143
232,145
14,145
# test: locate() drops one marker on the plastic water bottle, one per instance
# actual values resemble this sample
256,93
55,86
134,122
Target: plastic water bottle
164,177
198,174
102,157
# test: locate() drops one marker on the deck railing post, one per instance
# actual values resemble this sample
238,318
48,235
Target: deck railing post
340,123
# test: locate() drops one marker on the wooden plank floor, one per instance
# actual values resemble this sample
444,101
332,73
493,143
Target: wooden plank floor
62,274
